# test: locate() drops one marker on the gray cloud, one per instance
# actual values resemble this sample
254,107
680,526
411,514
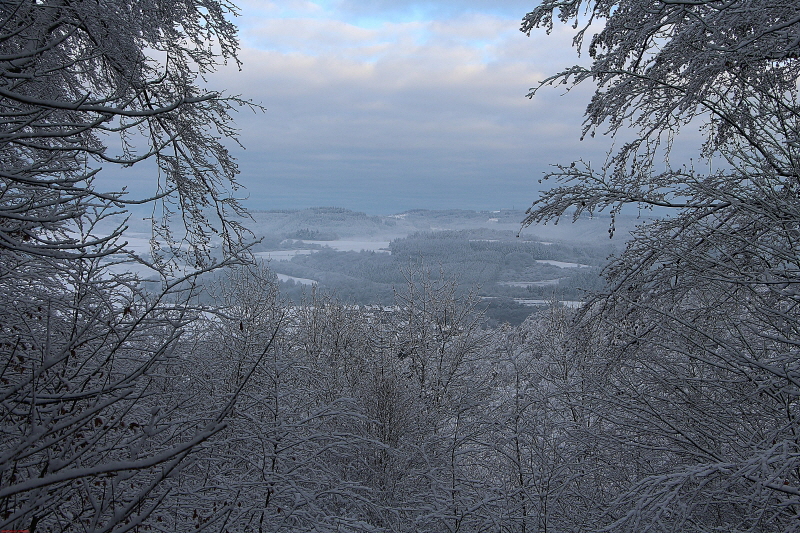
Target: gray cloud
408,114
438,9
396,114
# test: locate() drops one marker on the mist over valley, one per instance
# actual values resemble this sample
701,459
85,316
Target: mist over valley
363,258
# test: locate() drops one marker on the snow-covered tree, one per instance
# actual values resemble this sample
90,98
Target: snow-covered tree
700,321
443,346
93,420
730,68
85,85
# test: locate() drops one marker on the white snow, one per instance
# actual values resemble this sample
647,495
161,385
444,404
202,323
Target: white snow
573,304
526,284
282,255
302,281
354,246
561,264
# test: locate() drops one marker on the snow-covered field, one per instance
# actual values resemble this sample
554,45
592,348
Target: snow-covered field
339,246
354,246
573,304
302,281
281,255
526,284
561,264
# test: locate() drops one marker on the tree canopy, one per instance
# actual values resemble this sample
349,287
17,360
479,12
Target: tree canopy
90,84
699,324
729,67
95,424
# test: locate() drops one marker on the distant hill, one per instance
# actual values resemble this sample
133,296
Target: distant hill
347,224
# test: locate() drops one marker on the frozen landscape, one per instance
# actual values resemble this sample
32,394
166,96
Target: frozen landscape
362,257
420,360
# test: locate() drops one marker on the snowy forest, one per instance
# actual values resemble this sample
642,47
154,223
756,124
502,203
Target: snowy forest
205,400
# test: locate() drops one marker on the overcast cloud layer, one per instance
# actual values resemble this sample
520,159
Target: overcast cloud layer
386,106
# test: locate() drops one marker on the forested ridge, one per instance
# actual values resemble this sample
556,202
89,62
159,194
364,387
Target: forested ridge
499,265
202,399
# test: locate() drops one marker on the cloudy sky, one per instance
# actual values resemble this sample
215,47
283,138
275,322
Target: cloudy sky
383,106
